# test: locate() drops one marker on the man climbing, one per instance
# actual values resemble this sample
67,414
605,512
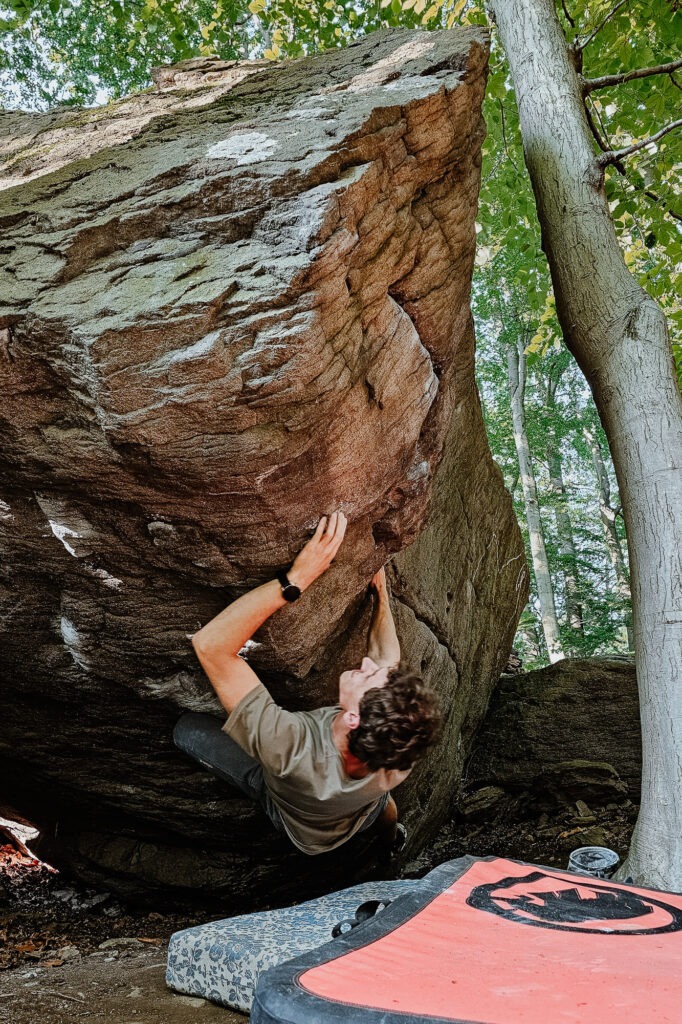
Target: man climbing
321,776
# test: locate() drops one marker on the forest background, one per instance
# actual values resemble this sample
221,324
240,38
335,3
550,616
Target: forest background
542,424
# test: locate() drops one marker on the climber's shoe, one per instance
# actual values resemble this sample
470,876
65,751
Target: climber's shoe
400,840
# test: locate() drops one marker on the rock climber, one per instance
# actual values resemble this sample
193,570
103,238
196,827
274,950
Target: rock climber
320,776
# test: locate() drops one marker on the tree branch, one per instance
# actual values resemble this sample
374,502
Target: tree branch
601,124
504,137
653,196
569,19
613,156
593,128
590,84
600,26
657,199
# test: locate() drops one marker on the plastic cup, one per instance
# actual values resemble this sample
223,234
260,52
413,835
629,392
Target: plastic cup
598,861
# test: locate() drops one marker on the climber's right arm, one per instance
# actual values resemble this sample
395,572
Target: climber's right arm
218,643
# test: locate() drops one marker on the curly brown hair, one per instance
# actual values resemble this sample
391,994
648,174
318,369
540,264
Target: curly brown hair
398,722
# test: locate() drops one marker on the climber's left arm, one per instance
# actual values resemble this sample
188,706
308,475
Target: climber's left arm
218,643
383,646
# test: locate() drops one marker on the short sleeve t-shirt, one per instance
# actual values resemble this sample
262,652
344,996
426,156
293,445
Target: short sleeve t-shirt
320,805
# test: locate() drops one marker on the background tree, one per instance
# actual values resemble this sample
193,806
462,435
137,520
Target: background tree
516,372
555,364
554,435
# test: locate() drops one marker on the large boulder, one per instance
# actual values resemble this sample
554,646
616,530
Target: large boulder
562,733
229,304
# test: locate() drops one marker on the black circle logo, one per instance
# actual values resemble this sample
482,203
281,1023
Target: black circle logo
581,905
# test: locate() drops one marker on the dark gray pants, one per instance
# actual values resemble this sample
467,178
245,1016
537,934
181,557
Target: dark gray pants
202,737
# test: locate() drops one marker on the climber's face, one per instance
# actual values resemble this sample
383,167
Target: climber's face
354,684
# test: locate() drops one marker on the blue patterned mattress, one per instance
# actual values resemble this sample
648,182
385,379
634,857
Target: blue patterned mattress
221,961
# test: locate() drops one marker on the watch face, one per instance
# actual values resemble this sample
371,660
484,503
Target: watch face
291,592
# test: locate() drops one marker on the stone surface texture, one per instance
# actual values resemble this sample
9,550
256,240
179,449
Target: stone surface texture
570,731
228,305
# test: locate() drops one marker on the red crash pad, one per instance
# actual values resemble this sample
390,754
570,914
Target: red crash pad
494,941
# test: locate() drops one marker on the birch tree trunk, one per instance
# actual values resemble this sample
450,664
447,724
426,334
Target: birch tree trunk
574,612
619,337
516,369
608,514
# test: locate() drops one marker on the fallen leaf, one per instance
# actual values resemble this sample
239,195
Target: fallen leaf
26,947
154,942
53,963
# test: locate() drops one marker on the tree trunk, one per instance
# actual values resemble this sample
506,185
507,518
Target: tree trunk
619,338
516,367
574,612
608,519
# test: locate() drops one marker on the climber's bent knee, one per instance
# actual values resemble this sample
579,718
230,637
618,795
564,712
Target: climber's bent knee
202,737
191,727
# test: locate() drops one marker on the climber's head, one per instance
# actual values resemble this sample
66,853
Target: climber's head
354,684
392,715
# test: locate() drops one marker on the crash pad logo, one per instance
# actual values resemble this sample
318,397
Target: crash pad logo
550,901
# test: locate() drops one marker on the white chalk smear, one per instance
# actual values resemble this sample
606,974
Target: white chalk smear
72,641
107,579
61,532
246,148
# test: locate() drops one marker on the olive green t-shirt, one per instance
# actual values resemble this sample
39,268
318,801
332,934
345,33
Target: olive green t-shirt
321,806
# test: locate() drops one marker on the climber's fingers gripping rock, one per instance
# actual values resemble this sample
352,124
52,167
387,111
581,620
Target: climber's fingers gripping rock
316,556
378,582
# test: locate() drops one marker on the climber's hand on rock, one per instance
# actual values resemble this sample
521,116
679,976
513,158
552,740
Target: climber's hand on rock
379,583
317,554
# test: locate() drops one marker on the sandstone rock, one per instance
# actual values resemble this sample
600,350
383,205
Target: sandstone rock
514,664
593,836
563,734
123,942
228,305
484,803
68,952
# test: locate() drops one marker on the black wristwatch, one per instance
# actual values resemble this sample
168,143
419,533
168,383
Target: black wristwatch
290,592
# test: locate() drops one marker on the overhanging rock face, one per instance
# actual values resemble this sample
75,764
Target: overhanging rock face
228,305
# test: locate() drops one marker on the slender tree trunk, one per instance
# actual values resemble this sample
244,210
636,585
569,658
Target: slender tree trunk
516,366
533,640
619,338
574,612
608,518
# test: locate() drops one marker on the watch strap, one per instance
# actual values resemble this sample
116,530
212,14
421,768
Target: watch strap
290,591
283,578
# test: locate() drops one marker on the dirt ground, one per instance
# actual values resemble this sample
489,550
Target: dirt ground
128,988
69,953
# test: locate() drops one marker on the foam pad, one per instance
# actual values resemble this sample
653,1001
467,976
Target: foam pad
493,941
222,961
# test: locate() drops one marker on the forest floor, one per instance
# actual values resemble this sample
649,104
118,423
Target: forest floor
71,954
